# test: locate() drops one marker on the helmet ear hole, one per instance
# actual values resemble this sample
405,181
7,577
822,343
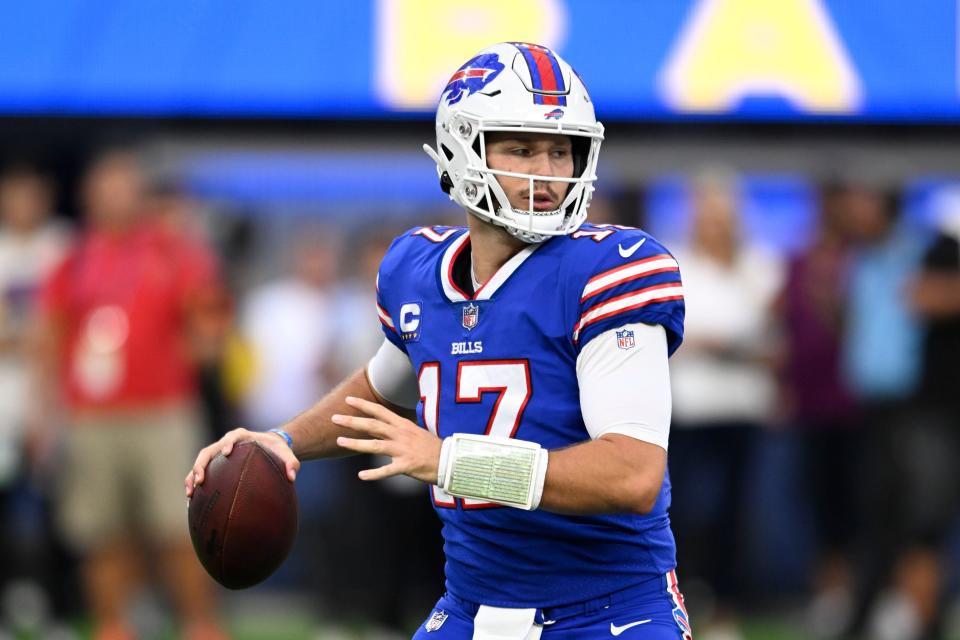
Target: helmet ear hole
447,152
581,151
446,184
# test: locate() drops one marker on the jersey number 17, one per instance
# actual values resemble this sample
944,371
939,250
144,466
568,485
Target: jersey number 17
509,379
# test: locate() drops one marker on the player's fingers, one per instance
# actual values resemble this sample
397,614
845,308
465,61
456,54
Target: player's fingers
386,471
293,466
364,446
224,445
203,459
290,462
231,438
373,409
370,426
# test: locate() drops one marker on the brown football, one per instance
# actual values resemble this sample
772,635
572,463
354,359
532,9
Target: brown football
243,518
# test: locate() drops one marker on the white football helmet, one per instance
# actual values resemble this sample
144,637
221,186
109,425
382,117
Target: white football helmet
515,86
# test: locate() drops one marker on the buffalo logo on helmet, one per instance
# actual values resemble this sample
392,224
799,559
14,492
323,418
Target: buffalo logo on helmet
556,114
471,316
473,76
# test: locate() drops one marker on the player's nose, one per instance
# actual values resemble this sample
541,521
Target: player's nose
540,164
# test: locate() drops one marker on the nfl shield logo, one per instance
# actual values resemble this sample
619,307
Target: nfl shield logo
625,339
471,315
436,621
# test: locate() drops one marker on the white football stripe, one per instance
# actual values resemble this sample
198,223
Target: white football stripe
384,318
628,272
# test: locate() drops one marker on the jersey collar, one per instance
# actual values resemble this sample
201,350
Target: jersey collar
454,293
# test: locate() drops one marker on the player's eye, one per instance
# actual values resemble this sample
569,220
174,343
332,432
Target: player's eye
520,151
560,153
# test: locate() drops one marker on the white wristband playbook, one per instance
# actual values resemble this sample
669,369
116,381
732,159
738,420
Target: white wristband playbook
502,470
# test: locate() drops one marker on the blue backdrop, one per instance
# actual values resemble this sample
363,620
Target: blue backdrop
739,59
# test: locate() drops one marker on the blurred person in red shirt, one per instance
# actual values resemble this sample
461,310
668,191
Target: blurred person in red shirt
115,352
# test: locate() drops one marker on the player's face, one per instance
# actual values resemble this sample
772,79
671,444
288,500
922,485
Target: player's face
540,154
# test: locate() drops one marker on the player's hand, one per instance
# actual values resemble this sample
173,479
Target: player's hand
225,445
414,451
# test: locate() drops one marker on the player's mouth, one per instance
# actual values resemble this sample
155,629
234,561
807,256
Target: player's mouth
545,201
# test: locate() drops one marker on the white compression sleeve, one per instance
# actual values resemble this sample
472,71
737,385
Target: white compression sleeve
392,376
626,390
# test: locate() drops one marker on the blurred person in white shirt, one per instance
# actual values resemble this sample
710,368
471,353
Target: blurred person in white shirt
290,324
31,244
723,391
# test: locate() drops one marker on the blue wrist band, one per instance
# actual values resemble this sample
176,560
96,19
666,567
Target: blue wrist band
283,434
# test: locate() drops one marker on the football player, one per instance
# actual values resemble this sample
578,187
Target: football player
532,347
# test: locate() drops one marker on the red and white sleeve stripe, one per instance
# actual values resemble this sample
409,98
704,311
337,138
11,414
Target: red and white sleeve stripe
628,302
385,318
628,272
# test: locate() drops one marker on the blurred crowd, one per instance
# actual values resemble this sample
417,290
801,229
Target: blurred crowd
815,412
849,347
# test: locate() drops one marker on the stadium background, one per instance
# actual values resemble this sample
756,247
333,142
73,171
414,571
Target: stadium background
280,121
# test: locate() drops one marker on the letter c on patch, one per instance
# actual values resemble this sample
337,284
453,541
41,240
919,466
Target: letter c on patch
409,317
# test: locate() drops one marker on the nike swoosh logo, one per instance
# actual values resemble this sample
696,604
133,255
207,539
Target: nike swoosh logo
626,253
615,630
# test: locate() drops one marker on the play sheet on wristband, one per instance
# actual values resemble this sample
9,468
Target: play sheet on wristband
496,472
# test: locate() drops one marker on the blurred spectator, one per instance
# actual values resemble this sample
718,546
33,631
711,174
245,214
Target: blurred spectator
31,244
812,307
931,448
359,332
406,563
290,327
115,349
723,390
212,333
882,362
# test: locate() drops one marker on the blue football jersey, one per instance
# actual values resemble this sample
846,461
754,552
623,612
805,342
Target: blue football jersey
502,361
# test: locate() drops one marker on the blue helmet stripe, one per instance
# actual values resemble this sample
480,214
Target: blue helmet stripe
556,70
535,77
531,65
